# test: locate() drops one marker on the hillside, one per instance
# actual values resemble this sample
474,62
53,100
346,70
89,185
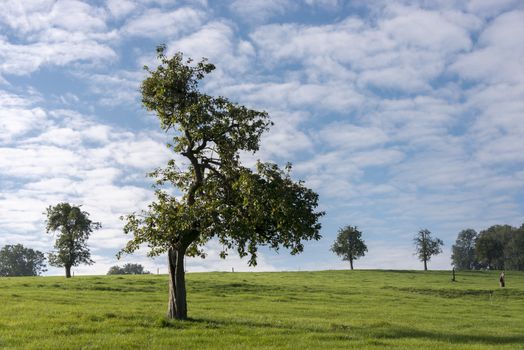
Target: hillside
285,310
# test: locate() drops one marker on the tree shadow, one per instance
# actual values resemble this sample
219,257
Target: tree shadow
399,332
381,330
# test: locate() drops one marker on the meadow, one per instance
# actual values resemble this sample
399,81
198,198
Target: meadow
282,310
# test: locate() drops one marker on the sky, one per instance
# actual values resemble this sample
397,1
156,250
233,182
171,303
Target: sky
401,115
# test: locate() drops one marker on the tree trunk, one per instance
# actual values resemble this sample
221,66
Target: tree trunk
68,271
177,307
425,265
351,263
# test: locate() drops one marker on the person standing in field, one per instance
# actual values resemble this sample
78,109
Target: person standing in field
502,280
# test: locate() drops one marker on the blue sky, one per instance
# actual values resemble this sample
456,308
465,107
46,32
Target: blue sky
402,115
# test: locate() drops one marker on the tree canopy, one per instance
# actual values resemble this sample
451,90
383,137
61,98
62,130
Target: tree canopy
426,246
349,244
463,255
73,228
501,247
241,207
17,260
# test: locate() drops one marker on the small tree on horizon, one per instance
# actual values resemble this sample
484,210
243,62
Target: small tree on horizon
74,228
349,244
128,269
426,246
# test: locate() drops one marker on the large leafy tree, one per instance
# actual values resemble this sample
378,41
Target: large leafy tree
349,244
463,251
218,197
17,260
426,246
73,228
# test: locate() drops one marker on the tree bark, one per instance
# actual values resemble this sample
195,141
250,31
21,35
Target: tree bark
351,263
425,265
177,307
68,271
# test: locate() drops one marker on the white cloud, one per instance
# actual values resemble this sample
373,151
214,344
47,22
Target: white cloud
286,138
74,16
352,136
415,28
330,4
16,118
498,57
295,95
120,8
259,10
217,42
159,23
60,32
26,58
491,8
34,16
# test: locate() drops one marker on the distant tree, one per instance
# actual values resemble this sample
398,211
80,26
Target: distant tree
128,269
116,270
17,260
426,246
491,244
241,207
349,244
74,228
514,250
463,251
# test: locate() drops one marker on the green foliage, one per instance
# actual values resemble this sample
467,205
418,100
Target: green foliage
349,244
73,228
17,260
501,247
241,207
490,250
514,250
497,248
463,251
365,310
426,246
128,269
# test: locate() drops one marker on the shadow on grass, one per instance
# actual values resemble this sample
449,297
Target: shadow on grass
398,332
381,330
208,323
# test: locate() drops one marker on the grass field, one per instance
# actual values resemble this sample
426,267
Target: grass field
285,310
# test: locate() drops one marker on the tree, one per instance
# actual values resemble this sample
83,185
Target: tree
242,208
463,251
17,260
426,246
349,244
128,269
490,246
116,270
74,228
514,250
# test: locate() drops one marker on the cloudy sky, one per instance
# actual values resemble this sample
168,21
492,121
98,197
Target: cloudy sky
401,115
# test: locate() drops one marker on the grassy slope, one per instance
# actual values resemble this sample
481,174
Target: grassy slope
293,310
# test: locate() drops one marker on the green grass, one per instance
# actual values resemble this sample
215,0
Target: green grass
286,310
